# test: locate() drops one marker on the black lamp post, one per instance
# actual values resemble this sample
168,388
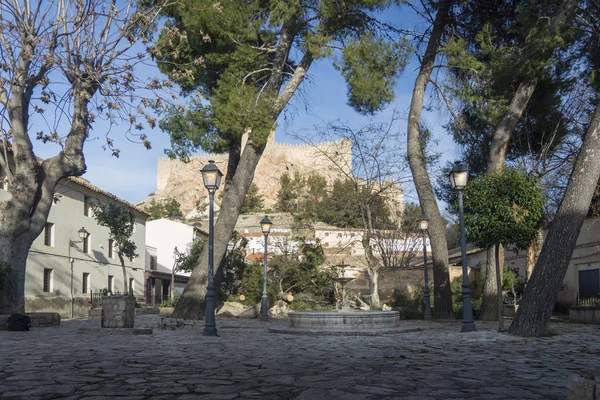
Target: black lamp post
265,226
212,180
424,225
459,175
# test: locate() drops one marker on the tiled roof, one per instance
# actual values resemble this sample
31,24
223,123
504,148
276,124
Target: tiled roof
86,184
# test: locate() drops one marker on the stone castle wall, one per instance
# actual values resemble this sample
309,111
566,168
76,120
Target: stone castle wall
183,181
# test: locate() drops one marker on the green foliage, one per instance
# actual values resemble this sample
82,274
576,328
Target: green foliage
370,66
120,221
170,302
410,218
512,283
503,208
289,273
410,307
457,300
253,200
251,285
188,260
234,265
226,53
308,198
497,46
4,272
168,208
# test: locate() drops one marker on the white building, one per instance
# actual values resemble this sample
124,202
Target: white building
62,270
162,237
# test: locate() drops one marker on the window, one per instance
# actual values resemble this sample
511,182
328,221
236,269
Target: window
87,206
339,235
85,282
110,248
86,244
49,234
111,281
131,284
48,280
153,263
326,234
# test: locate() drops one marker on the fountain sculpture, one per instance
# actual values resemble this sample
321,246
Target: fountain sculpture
342,321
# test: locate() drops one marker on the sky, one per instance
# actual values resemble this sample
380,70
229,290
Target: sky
132,176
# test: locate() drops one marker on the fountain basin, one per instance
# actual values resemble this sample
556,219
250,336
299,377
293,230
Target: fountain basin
359,323
344,320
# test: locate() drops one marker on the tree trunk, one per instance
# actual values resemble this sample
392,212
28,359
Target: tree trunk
374,288
14,253
499,304
497,158
191,302
173,283
533,252
125,286
416,158
489,310
535,310
501,140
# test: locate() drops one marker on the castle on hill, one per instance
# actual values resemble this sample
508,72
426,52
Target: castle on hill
183,181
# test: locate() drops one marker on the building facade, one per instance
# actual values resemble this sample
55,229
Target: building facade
63,270
163,236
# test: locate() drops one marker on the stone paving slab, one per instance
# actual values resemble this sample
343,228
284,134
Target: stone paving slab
248,362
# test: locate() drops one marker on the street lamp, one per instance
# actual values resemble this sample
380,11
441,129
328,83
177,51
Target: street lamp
265,226
424,225
212,180
83,234
459,176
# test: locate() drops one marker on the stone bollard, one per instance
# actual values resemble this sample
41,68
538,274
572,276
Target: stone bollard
118,311
584,386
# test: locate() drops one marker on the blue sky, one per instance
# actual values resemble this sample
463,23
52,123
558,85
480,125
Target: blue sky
133,175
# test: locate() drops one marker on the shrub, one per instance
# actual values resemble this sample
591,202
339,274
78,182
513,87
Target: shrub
457,301
171,302
410,307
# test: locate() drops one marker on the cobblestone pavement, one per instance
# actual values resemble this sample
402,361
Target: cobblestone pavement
248,362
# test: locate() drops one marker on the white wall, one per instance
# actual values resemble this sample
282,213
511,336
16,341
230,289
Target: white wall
68,217
165,235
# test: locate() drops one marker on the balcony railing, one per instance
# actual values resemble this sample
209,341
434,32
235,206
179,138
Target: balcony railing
96,297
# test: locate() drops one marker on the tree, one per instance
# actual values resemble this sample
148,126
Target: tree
248,76
533,315
65,65
185,261
418,166
368,193
510,103
167,208
286,194
120,221
504,208
254,200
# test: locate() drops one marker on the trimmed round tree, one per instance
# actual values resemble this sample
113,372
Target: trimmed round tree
503,208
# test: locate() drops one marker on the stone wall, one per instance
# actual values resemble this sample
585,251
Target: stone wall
585,315
118,312
407,280
183,181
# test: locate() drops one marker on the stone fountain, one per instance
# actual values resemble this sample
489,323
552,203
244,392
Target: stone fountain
343,321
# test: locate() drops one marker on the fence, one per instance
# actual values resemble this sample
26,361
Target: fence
590,301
